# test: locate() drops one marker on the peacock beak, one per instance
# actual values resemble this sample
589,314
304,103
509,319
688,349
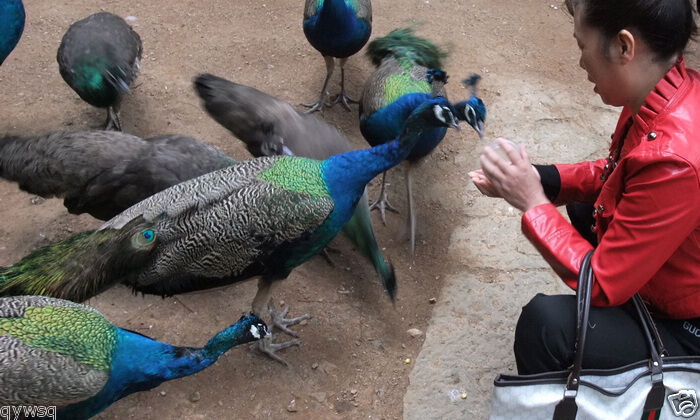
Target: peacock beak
455,124
479,127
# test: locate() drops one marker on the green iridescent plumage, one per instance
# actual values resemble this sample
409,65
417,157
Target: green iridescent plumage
90,340
307,177
407,48
398,85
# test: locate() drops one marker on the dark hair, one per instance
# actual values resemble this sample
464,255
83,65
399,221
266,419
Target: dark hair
665,25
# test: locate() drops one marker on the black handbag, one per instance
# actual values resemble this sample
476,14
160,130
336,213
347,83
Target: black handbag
661,387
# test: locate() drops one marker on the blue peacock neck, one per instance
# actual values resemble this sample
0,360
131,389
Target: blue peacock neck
140,363
12,19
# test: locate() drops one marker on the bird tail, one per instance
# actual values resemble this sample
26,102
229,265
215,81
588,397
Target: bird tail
403,44
359,230
82,265
215,93
29,162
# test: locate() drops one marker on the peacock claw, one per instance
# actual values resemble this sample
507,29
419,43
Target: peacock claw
265,345
114,121
282,323
383,204
317,106
344,100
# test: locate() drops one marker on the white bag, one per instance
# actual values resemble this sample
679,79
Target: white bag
659,388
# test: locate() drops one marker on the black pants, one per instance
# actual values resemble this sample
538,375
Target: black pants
546,330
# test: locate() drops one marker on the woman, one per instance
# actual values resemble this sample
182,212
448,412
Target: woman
646,194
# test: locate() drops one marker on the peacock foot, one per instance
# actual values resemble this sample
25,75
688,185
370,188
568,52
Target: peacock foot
344,100
282,323
326,253
383,205
114,121
317,106
267,346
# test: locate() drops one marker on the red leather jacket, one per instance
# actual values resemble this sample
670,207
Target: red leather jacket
647,209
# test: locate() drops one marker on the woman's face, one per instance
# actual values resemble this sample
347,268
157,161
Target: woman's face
602,72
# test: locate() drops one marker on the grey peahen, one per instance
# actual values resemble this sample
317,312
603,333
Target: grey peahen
261,217
270,127
70,361
104,172
337,29
407,74
11,26
99,58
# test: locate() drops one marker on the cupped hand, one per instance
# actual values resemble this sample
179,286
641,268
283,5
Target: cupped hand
516,181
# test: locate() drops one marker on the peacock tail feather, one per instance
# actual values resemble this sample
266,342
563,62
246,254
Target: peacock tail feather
80,266
407,48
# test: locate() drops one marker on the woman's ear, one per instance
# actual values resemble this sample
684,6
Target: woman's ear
623,46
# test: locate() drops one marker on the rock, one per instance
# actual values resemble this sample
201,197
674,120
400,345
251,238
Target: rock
415,332
432,300
195,396
318,396
314,365
292,407
162,393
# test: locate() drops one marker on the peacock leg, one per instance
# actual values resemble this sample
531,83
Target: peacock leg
382,202
411,210
318,106
114,121
341,97
266,345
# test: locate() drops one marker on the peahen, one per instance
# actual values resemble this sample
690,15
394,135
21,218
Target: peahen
60,354
337,29
269,127
261,217
407,74
11,26
104,172
99,58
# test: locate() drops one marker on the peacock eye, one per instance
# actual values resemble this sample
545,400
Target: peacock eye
439,113
471,114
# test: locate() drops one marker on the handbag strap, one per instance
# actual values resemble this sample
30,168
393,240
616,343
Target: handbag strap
566,408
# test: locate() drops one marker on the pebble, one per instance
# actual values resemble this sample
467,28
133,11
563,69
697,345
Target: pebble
414,332
195,396
432,300
314,365
407,361
292,407
162,393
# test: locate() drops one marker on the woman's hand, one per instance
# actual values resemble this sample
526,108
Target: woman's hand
517,181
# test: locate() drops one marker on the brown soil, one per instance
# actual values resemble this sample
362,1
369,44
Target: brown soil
351,363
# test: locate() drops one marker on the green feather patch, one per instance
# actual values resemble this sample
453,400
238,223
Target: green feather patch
297,174
400,84
86,336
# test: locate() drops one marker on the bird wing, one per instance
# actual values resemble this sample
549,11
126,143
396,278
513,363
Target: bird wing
38,365
193,194
224,239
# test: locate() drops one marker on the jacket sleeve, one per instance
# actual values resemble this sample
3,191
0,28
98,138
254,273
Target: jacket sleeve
580,182
646,226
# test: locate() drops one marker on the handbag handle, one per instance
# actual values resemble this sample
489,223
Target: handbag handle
566,408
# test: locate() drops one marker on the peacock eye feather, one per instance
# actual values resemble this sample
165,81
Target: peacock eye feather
143,238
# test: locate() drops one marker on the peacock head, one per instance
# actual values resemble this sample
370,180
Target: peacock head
255,328
443,112
473,111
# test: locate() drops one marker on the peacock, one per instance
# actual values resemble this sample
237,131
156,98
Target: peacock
269,127
104,172
337,29
261,217
65,355
407,74
99,58
11,26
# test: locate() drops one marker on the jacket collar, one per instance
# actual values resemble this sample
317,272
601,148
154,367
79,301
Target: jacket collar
667,92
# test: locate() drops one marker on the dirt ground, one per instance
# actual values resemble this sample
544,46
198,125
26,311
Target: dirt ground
351,363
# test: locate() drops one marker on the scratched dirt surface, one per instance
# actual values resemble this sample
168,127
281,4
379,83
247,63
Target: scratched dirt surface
356,357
